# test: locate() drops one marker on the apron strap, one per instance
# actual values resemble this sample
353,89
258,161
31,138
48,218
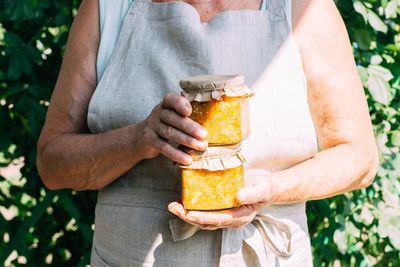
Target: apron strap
276,10
275,4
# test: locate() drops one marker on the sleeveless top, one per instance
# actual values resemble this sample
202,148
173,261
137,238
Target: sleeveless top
159,44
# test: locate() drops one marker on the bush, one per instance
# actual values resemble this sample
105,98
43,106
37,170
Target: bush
39,227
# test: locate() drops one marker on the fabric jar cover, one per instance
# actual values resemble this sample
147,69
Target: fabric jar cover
215,158
213,86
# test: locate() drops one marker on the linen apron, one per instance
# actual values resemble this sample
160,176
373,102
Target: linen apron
159,44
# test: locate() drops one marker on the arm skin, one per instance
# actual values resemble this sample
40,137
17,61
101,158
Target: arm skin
71,157
349,158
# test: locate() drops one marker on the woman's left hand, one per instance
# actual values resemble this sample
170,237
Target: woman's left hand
255,196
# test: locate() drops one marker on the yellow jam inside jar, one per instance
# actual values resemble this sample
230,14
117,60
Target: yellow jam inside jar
221,118
211,190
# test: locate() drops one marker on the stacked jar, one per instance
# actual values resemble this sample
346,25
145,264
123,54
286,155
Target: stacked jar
220,103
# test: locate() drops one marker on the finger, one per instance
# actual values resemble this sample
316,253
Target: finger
185,124
178,209
173,134
171,152
177,103
252,180
209,227
254,194
239,216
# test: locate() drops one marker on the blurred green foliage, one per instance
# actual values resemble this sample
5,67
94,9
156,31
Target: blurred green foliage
39,227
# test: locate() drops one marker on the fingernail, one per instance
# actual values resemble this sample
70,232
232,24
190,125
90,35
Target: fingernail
188,109
240,197
203,133
187,160
204,145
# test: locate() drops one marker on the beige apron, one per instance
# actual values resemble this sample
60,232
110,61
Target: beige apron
159,44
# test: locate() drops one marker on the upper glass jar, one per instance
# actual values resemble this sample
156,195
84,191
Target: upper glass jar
220,103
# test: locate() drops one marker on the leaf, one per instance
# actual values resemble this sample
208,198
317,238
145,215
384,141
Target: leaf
376,60
389,225
341,220
395,138
396,84
352,232
360,8
381,141
363,37
363,73
391,9
389,193
20,10
340,239
19,64
381,72
376,22
379,89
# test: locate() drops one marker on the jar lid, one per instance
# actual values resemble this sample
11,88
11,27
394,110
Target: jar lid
213,86
215,158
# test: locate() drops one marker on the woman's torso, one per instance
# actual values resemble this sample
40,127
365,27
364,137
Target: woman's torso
168,43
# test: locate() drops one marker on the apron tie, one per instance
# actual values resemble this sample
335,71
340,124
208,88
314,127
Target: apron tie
264,230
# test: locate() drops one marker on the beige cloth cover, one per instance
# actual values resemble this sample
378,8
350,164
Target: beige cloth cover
213,86
215,158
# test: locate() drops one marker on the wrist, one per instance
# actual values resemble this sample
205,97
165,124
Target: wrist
273,182
134,146
286,187
273,194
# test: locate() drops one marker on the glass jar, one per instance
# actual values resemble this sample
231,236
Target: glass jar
213,179
220,103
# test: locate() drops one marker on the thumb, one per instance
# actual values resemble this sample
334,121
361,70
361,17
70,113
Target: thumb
253,194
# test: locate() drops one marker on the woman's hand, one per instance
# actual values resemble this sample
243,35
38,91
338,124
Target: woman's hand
169,121
255,196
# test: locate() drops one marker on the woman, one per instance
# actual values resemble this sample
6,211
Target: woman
297,59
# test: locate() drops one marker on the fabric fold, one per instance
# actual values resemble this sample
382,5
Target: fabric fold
265,231
205,88
216,158
217,94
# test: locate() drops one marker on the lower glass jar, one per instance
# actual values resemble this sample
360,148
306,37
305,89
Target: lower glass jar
213,179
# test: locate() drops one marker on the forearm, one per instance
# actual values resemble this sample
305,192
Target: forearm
331,172
88,161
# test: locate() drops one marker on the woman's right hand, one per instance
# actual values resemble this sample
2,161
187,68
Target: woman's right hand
169,121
